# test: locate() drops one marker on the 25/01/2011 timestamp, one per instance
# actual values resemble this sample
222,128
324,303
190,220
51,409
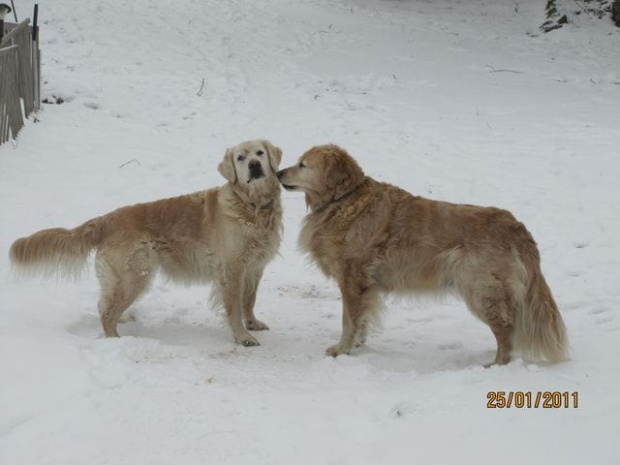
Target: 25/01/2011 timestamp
528,399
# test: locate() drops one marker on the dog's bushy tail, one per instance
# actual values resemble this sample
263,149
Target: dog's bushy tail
57,251
540,332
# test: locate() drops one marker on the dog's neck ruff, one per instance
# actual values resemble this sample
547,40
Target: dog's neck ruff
268,202
268,206
337,199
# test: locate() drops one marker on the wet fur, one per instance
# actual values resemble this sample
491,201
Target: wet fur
374,238
225,235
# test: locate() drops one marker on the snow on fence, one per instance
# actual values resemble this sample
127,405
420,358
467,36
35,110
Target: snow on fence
19,77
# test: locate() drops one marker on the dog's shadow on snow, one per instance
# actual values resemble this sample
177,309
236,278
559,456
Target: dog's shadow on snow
387,355
176,334
423,358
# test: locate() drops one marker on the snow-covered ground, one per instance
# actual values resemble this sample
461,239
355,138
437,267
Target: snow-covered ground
454,100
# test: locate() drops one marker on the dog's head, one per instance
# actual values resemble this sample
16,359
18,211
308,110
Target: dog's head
325,173
250,164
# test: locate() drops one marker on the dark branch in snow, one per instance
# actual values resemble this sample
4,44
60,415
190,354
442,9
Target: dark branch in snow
202,85
495,70
133,160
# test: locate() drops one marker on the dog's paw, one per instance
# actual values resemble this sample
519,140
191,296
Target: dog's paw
248,341
496,362
256,325
336,350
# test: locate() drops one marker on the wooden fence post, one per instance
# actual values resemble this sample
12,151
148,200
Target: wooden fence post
19,77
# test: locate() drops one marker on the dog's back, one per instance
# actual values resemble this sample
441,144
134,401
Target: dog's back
163,225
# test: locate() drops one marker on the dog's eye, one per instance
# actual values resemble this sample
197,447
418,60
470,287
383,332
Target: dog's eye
302,164
240,158
260,153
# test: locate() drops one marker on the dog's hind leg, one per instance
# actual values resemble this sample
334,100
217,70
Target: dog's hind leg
362,333
503,333
489,298
122,281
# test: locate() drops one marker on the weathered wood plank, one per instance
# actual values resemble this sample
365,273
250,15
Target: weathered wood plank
19,78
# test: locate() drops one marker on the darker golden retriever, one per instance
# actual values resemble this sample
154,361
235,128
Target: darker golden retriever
225,235
375,238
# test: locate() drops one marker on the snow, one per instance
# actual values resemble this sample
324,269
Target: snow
459,101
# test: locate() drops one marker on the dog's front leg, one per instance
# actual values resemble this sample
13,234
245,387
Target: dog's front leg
233,286
346,339
359,301
351,316
249,299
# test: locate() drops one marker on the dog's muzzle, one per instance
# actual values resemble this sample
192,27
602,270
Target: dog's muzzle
256,170
286,186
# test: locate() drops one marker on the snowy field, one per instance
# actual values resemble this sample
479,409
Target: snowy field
454,100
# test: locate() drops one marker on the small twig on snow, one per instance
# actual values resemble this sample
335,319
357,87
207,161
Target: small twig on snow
495,70
130,161
202,85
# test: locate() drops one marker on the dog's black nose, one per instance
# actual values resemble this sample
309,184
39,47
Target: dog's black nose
256,169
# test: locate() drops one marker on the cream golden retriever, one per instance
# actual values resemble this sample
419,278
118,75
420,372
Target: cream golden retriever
375,238
225,235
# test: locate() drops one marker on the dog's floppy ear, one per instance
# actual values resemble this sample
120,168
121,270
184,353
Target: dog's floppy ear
342,173
274,153
227,167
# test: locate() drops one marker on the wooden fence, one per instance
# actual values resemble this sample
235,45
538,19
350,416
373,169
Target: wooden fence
20,82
